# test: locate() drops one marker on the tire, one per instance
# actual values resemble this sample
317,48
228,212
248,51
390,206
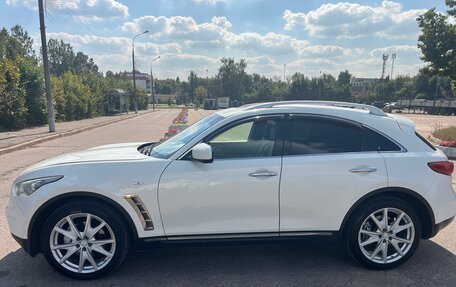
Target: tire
104,244
367,237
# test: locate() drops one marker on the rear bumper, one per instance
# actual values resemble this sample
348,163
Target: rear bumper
439,226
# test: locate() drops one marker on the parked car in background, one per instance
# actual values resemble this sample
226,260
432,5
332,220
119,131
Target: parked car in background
262,171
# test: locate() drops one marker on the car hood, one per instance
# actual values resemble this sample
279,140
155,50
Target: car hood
112,152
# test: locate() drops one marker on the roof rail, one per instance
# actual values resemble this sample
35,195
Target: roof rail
372,110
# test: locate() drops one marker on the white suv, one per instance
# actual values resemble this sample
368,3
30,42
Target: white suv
271,170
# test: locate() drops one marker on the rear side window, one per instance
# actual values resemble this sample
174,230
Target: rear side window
377,142
319,136
425,141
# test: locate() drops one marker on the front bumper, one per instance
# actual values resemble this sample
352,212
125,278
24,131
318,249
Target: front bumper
18,216
25,244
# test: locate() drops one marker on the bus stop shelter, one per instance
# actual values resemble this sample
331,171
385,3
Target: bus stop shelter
116,102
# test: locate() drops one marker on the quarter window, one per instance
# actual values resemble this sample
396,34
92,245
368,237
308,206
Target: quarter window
378,142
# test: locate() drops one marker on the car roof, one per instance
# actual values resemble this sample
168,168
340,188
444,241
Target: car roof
307,106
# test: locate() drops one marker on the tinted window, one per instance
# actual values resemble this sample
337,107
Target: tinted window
256,138
317,136
378,142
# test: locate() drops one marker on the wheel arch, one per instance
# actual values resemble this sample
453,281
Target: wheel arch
420,204
40,215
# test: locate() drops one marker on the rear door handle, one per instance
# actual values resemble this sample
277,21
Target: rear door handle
363,169
262,173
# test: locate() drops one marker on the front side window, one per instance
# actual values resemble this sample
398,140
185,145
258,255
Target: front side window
254,138
320,136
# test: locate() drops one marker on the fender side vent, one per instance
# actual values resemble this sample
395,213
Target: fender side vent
141,210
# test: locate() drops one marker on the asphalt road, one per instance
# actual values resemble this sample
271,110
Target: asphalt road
312,262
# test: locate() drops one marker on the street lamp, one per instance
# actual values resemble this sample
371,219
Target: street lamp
135,102
207,84
152,86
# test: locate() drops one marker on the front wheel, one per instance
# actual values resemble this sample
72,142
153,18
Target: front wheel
84,240
384,233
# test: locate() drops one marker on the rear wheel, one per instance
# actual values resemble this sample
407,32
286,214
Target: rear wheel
84,240
384,233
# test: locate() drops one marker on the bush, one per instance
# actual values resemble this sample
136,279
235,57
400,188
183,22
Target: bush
12,97
32,82
447,134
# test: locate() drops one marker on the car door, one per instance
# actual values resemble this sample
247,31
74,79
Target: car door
327,167
236,193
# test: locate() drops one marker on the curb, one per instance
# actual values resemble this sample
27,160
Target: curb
64,134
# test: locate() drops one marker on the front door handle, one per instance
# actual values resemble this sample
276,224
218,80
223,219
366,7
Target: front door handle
363,169
262,173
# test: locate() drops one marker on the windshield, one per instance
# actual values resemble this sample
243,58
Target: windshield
170,146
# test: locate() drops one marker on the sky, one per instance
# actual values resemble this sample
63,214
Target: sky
308,36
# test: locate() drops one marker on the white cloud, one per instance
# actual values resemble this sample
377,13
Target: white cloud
93,45
210,2
352,20
185,44
90,9
215,36
114,53
179,28
327,51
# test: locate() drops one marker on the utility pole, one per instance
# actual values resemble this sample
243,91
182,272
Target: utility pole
47,80
152,85
207,85
435,95
135,100
393,57
284,80
385,58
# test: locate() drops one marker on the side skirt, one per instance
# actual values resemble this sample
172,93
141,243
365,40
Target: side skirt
235,237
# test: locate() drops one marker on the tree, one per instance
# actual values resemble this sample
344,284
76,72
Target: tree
299,88
32,82
452,5
192,81
61,57
232,78
26,42
437,41
262,87
83,65
201,93
12,97
344,86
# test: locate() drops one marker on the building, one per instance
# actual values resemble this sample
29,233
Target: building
163,98
142,80
360,87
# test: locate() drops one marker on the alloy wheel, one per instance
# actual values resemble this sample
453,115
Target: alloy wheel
386,235
82,243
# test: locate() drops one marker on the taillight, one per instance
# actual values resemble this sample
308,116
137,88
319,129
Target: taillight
443,167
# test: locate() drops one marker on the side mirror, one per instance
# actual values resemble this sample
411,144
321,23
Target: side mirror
202,152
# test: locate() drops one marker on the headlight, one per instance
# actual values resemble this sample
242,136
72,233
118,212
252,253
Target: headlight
29,186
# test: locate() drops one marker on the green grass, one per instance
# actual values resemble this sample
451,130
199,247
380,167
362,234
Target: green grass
445,134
